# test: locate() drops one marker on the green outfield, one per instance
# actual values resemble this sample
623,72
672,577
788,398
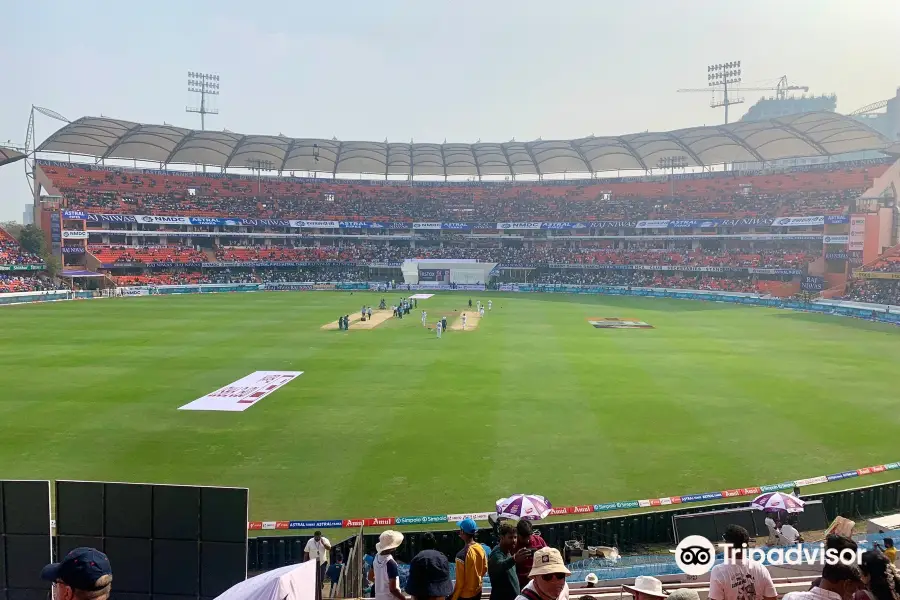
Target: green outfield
393,421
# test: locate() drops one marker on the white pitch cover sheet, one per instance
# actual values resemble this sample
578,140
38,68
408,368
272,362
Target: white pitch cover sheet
243,393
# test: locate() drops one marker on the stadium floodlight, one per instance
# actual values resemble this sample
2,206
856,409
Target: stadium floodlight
723,75
259,165
205,84
672,162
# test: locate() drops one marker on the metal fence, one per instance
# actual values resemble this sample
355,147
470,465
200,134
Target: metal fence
350,582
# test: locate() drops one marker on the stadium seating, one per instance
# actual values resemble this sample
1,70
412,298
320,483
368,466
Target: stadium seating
176,254
13,254
726,194
17,283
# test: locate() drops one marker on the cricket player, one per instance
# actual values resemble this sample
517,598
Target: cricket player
464,321
490,304
424,316
481,311
439,329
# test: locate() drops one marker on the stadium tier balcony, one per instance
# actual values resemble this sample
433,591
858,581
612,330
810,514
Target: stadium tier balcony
120,254
818,191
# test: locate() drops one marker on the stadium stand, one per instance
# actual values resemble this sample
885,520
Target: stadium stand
13,254
810,192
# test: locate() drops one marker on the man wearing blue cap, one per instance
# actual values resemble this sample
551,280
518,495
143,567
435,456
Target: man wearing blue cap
471,563
84,574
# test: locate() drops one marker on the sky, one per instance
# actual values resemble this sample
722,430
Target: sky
459,70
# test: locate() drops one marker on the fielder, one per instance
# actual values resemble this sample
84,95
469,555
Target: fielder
481,311
464,321
490,304
439,329
424,316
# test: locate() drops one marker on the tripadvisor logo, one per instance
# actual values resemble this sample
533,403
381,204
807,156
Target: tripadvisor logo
695,555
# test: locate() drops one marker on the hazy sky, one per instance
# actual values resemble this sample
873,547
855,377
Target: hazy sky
424,69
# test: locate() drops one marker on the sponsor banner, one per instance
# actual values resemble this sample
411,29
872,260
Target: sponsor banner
254,525
243,393
875,275
207,221
269,524
611,224
456,226
133,291
836,239
73,249
420,520
798,221
74,234
836,219
644,503
361,225
162,220
857,234
439,275
844,475
810,283
891,466
76,215
21,267
656,224
519,225
352,523
563,225
836,255
482,516
333,524
257,222
379,522
105,218
787,485
732,493
811,481
616,506
315,224
426,225
754,491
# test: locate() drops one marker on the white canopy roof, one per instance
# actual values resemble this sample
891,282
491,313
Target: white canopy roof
802,135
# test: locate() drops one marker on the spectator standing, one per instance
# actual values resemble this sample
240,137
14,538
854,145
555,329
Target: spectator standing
742,580
471,563
773,530
527,539
502,565
548,577
646,588
384,573
334,570
429,576
889,550
317,549
84,574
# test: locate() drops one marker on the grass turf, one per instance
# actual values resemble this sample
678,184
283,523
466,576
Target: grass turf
395,422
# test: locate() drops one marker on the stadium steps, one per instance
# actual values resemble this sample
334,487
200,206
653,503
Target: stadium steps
210,255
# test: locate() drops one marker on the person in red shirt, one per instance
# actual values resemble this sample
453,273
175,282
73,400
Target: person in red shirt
526,538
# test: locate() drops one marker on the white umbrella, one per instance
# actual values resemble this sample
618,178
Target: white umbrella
530,507
777,502
293,582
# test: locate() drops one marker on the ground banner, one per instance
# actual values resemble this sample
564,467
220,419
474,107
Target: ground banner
579,509
243,393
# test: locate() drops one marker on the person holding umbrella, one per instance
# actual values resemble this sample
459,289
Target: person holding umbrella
471,564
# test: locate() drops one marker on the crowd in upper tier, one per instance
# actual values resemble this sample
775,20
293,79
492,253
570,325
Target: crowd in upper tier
506,256
725,194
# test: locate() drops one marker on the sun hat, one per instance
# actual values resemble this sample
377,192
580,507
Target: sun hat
429,575
647,585
547,561
388,540
591,578
468,526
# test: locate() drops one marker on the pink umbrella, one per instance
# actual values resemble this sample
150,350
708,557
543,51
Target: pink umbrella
777,502
523,506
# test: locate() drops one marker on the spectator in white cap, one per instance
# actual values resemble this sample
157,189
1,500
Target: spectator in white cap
548,577
646,588
591,580
384,573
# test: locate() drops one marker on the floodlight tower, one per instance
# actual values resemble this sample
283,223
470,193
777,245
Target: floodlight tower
672,162
259,165
724,74
205,84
